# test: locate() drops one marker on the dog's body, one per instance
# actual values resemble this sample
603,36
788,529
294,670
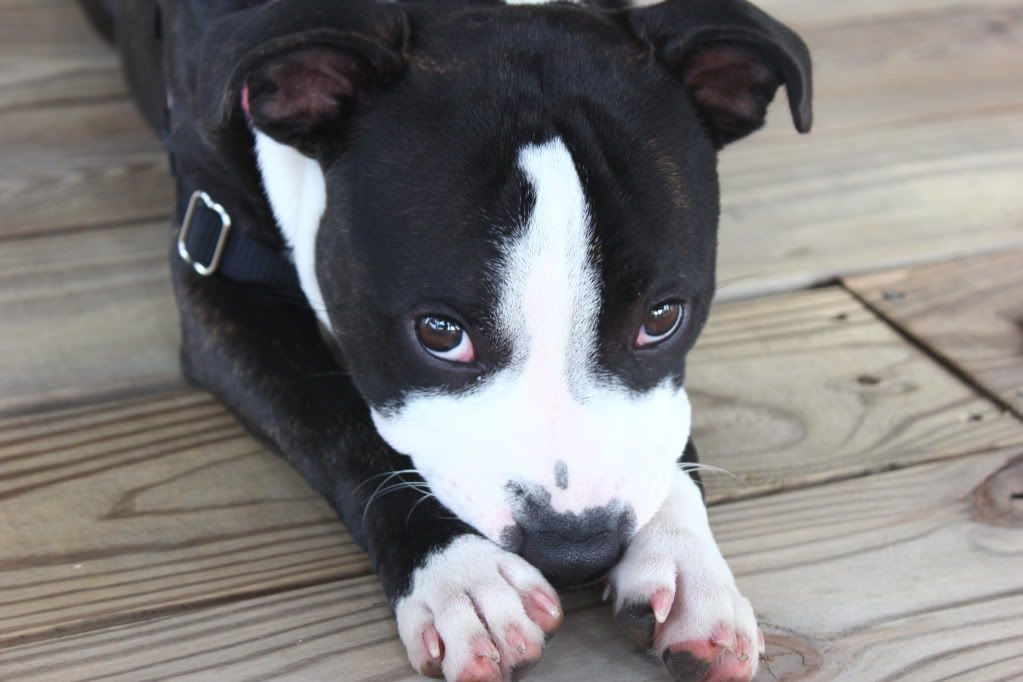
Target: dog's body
503,226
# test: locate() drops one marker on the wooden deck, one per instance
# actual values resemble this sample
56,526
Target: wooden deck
862,379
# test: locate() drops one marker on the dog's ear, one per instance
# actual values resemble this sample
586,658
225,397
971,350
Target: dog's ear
732,58
297,70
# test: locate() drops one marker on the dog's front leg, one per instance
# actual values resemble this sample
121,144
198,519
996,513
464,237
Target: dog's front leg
674,593
466,609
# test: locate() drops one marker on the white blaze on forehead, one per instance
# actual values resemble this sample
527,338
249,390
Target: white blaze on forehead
550,300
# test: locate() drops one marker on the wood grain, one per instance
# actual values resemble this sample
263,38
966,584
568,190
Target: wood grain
84,314
50,57
166,503
91,164
75,151
806,387
800,211
110,512
899,66
969,312
851,12
886,577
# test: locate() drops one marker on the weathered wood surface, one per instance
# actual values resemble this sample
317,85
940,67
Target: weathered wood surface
49,56
917,139
86,313
897,576
144,535
969,312
810,386
164,502
808,15
796,214
75,153
915,153
108,512
79,165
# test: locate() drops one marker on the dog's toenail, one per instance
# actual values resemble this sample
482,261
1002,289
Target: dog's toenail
743,657
547,604
432,642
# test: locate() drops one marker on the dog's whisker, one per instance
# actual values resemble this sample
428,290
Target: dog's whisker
381,491
426,496
389,474
695,466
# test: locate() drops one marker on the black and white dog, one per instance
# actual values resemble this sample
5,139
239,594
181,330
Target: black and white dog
448,258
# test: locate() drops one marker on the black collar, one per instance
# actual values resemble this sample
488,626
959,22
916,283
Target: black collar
213,246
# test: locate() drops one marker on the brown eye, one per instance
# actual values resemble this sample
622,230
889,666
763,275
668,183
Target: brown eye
659,323
445,338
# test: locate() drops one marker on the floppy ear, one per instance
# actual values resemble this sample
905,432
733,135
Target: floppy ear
297,70
732,57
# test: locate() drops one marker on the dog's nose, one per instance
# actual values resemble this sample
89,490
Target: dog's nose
574,549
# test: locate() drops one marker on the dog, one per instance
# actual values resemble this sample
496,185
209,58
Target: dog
448,258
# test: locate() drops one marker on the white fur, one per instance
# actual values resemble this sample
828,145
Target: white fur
551,403
677,552
469,574
297,191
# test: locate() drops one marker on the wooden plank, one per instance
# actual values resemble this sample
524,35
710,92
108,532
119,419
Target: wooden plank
886,577
53,134
145,494
804,13
33,27
917,145
110,512
75,151
93,191
84,313
800,211
49,56
79,165
969,312
807,387
900,67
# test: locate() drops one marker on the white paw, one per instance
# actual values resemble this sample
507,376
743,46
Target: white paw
476,613
674,593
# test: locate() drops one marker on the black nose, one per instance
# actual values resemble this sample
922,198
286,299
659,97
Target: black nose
573,549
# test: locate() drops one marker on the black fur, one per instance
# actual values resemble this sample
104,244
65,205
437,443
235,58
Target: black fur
425,106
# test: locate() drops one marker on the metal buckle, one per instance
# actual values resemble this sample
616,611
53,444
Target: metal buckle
186,226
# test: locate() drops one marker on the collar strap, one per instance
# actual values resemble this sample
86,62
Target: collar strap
209,243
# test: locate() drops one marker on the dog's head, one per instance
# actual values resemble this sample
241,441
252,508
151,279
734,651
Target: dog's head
507,218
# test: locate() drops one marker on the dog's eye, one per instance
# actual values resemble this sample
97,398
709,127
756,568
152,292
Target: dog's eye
659,323
445,339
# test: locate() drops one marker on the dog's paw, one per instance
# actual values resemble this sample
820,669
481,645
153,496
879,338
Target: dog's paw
476,613
675,595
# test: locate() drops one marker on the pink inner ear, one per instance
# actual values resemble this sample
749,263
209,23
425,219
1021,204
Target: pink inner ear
310,85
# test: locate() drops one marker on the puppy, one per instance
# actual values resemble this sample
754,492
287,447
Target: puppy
448,258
